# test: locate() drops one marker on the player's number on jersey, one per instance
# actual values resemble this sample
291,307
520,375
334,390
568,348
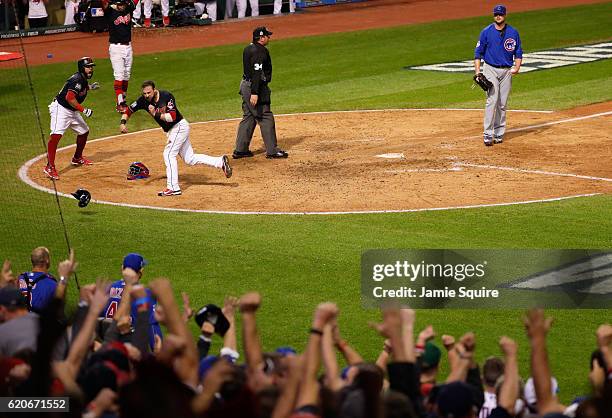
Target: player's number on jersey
112,308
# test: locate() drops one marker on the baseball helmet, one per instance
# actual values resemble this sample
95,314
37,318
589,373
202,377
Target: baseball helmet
259,32
137,170
85,62
213,314
83,196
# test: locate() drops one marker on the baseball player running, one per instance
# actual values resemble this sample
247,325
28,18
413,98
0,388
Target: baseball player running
119,16
65,112
500,47
162,106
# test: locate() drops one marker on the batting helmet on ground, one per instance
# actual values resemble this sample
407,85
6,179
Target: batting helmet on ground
83,196
137,170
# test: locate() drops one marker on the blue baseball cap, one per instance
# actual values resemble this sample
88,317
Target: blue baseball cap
500,9
286,351
134,261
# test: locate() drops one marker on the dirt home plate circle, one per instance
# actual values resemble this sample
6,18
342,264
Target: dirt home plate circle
359,161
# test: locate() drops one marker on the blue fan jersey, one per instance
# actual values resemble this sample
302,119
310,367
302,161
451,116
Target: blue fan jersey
116,291
38,288
499,48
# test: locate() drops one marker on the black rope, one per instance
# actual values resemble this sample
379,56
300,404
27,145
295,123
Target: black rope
42,136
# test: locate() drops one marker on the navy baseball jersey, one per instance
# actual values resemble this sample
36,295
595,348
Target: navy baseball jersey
120,24
116,291
38,288
164,104
76,84
499,47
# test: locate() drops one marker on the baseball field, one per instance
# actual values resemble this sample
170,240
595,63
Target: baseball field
297,260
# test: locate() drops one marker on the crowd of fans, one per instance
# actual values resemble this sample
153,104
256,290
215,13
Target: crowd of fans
110,360
36,13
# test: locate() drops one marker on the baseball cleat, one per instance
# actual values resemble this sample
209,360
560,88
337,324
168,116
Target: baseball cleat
498,139
135,23
278,154
241,154
166,21
81,161
168,192
488,141
147,23
227,169
51,172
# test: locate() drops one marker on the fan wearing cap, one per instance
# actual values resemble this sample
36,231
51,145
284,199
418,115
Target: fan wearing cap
65,112
257,67
18,327
500,47
132,270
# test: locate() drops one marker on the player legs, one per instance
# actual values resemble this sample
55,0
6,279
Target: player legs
492,99
229,8
165,6
127,71
79,126
211,9
278,4
267,126
246,127
499,123
176,137
117,57
291,6
137,12
60,121
254,7
241,6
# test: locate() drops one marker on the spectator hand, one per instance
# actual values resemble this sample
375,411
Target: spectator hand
426,335
536,323
67,267
229,307
508,346
138,291
448,341
86,293
187,311
250,302
100,296
7,275
324,313
604,336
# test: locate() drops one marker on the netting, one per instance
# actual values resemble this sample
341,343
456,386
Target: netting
30,217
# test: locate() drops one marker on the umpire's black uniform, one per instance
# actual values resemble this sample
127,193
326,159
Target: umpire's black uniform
257,73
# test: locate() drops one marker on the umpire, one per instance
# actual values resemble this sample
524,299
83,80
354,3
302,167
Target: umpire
257,67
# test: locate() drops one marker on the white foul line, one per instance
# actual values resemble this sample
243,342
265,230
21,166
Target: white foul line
522,170
556,122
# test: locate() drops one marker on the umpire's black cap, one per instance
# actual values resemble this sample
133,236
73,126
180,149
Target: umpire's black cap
260,31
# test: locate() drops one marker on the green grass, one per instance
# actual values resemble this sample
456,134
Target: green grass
298,261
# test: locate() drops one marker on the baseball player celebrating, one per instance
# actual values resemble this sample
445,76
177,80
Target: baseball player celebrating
119,16
65,111
162,106
500,47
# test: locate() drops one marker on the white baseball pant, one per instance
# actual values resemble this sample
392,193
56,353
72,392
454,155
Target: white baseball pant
229,8
148,7
242,6
210,7
278,5
179,144
121,60
62,119
165,6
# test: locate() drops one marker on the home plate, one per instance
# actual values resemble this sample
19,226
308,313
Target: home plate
393,155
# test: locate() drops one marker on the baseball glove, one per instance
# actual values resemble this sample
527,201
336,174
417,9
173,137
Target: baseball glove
482,81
